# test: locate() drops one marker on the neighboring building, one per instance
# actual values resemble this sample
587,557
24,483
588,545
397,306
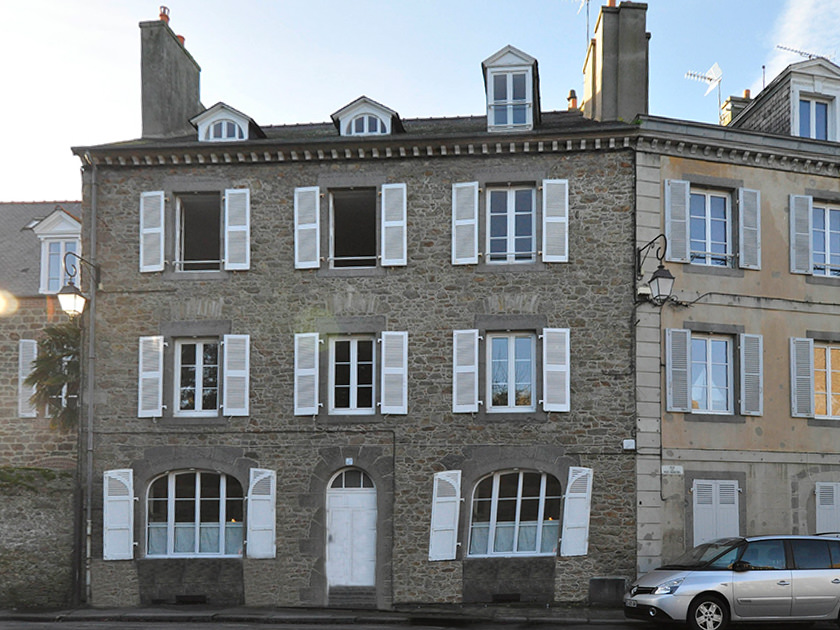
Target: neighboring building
738,378
38,491
370,362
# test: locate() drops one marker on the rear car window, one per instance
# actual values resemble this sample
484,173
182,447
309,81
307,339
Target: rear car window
811,554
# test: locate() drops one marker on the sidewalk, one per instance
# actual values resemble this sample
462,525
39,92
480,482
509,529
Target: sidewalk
426,615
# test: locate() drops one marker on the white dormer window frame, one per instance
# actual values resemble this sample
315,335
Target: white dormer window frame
809,95
365,117
59,234
222,123
367,125
225,130
510,99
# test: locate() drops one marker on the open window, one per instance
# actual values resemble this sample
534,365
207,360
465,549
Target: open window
353,228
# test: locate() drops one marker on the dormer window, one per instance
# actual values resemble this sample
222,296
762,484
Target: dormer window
813,118
511,79
366,125
59,234
225,130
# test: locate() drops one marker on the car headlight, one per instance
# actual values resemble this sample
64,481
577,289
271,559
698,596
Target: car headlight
668,588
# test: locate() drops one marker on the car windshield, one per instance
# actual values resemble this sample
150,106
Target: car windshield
715,554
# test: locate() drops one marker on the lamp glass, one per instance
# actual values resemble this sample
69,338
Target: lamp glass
71,300
661,285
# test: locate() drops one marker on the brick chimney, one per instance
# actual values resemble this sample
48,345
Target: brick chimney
733,106
616,67
170,81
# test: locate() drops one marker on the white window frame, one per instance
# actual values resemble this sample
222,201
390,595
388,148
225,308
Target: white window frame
511,256
813,100
171,499
366,119
511,338
706,257
64,246
826,348
508,104
708,367
492,524
199,343
225,124
353,409
825,268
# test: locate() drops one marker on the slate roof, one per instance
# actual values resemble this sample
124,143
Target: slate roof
20,249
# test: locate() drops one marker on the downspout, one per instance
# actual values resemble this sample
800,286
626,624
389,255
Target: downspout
91,362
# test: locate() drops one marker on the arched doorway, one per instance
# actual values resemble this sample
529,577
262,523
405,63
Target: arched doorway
351,530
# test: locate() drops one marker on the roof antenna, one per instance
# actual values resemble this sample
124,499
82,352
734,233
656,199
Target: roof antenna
712,76
803,53
580,8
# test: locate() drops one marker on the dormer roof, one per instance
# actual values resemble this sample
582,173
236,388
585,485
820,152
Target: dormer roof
220,113
345,119
58,224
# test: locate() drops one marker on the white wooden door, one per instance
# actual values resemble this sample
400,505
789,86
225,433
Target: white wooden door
351,531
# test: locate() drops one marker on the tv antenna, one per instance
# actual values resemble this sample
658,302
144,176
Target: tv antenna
712,76
580,8
803,53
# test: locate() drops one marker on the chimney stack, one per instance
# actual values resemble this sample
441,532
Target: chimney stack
733,106
170,93
616,67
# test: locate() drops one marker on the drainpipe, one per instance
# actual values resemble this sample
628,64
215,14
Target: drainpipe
91,362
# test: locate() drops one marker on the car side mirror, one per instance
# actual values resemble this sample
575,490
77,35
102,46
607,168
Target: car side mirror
741,566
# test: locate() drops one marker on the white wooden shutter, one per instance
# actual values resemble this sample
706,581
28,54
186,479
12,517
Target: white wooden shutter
678,369
446,506
151,231
394,373
677,200
828,507
307,228
801,212
261,518
555,228
118,515
715,509
749,218
27,353
306,374
150,378
576,508
236,350
802,377
465,371
237,229
556,369
465,223
394,217
752,375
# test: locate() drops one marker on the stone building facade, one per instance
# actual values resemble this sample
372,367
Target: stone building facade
38,480
396,355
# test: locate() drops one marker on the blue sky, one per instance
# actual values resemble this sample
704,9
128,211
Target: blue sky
71,68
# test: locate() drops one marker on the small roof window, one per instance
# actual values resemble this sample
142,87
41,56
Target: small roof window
222,123
366,117
225,130
513,97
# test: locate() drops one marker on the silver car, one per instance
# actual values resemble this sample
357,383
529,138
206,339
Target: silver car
762,578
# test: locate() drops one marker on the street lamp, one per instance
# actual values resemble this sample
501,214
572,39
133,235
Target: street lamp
71,299
661,283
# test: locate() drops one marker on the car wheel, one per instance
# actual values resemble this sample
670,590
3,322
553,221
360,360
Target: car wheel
708,612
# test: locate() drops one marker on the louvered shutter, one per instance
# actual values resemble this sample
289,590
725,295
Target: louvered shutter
802,378
715,507
237,375
394,373
394,217
150,378
801,212
306,374
307,228
678,369
576,508
749,215
727,509
118,515
261,518
752,375
556,369
446,506
677,200
828,507
27,353
237,229
151,231
465,223
465,371
703,511
555,208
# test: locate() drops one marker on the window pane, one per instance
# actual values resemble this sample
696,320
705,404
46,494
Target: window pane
697,205
184,538
531,483
527,540
359,125
352,479
478,538
804,118
519,86
484,489
821,121
508,485
365,350
184,485
550,536
504,538
233,539
157,539
519,114
499,367
373,124
500,87
364,398
208,541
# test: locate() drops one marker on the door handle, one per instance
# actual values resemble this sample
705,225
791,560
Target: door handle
783,583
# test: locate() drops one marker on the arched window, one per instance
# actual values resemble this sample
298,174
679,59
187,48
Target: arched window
225,130
366,125
192,513
515,513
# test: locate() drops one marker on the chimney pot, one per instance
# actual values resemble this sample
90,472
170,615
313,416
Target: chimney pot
572,100
164,14
180,39
746,94
611,3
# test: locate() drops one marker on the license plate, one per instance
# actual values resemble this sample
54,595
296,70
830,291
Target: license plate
631,603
